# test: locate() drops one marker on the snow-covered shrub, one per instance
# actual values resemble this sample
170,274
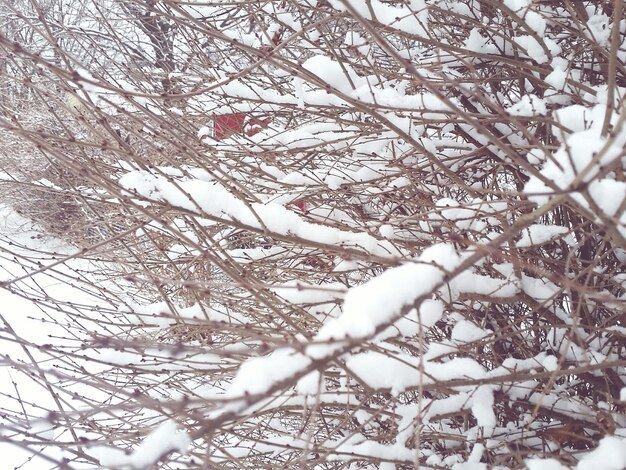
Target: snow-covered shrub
405,248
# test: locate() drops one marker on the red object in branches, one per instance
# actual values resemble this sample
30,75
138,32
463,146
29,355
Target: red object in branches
257,125
303,205
226,125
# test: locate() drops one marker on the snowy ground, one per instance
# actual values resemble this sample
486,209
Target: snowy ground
48,304
30,319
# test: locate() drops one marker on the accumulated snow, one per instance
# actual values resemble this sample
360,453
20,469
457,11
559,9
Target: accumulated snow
209,198
377,450
385,371
609,195
449,404
535,50
469,282
482,406
465,332
471,215
550,363
259,374
311,384
397,372
160,442
430,312
583,154
544,464
406,326
536,22
329,82
512,364
598,29
539,289
538,234
339,76
518,6
609,455
558,77
475,42
528,105
365,309
380,300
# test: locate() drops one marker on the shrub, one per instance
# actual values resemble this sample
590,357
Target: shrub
331,234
